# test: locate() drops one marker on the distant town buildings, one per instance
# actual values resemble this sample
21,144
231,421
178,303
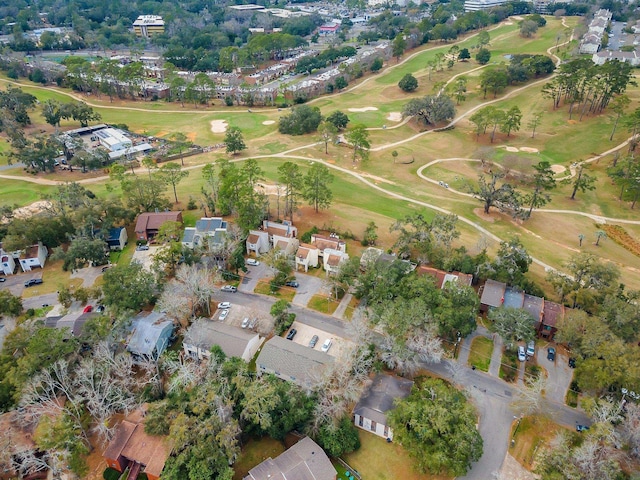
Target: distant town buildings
592,40
148,25
475,5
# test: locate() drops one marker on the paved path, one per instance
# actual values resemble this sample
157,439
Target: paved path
496,356
344,304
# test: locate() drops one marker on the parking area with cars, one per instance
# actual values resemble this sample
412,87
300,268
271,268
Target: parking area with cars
559,373
243,317
305,333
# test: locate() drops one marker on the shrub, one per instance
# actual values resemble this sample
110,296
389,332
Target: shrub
376,65
228,101
192,205
111,474
408,83
306,236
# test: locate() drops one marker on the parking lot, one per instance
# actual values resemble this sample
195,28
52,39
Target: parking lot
237,313
145,257
305,332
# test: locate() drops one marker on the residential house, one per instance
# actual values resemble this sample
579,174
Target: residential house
332,259
291,361
74,322
602,57
369,257
207,230
371,410
535,307
552,314
332,242
276,229
303,461
149,223
33,256
117,238
258,242
234,342
7,263
307,256
150,334
132,448
286,246
492,295
513,298
441,277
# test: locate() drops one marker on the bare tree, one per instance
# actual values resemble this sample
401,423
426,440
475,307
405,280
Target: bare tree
631,428
174,303
185,374
198,284
530,397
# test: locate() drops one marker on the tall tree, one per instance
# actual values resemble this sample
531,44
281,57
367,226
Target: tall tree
534,123
234,140
398,46
128,287
582,182
494,195
358,137
327,133
513,325
543,181
172,174
431,110
619,105
511,120
180,144
316,189
290,176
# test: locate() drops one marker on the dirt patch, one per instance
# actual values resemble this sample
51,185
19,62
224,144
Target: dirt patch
529,149
268,122
394,117
218,126
572,122
376,179
492,217
191,136
363,109
269,189
558,168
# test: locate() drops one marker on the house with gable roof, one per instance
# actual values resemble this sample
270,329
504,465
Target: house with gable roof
148,223
307,257
34,256
332,259
7,263
150,334
234,342
207,230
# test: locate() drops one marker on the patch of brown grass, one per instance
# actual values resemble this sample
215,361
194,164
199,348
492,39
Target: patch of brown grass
531,435
619,235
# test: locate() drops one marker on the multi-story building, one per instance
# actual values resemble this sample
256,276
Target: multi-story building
148,25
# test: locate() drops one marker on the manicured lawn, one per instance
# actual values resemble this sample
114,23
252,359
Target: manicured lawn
16,192
509,366
53,276
480,354
255,452
378,460
284,293
323,304
532,434
353,304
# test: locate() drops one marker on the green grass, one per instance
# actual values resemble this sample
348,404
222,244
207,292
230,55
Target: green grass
509,366
284,293
480,354
17,192
323,304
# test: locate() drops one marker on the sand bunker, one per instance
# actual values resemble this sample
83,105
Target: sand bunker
363,109
218,126
268,122
558,169
394,117
529,149
511,149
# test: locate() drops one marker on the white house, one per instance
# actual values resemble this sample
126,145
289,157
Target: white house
7,263
284,229
333,242
371,410
234,342
258,242
113,139
331,260
286,246
207,230
307,256
34,256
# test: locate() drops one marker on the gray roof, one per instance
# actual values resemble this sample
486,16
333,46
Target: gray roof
303,461
73,321
189,233
210,224
205,333
534,305
380,397
513,298
493,293
292,359
147,328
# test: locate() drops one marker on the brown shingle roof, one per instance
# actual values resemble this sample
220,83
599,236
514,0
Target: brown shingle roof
322,243
493,293
333,260
153,221
253,239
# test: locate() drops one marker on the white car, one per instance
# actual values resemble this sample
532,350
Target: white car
521,354
245,322
224,305
229,288
253,262
223,314
327,345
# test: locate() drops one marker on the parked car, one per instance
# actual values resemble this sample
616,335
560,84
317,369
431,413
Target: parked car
100,308
572,363
2,279
88,309
229,288
551,354
522,356
253,262
32,282
142,247
105,268
327,345
581,428
224,305
253,323
223,315
291,334
313,341
531,348
245,322
293,284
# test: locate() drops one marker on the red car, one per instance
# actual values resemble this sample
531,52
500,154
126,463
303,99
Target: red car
87,309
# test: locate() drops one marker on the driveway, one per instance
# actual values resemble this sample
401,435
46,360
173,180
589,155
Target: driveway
145,257
253,276
89,274
305,332
309,286
559,375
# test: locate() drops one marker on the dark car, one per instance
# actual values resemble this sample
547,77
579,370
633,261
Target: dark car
105,268
581,428
572,363
291,334
551,354
2,279
32,282
100,308
313,341
293,284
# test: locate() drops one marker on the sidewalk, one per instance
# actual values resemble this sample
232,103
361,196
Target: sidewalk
496,356
342,308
